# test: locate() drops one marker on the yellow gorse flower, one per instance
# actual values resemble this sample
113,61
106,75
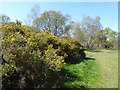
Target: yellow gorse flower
12,39
62,60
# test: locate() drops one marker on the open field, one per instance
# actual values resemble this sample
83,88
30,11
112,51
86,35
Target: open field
108,61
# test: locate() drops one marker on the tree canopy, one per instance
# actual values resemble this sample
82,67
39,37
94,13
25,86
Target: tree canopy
53,21
4,19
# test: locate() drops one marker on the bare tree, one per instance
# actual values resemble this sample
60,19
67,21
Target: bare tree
35,13
87,30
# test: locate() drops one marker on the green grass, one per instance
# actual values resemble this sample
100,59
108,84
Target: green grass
108,62
98,73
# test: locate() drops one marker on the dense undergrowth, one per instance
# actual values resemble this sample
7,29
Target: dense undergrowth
34,60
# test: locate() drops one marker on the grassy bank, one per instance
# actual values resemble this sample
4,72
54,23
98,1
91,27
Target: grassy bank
98,70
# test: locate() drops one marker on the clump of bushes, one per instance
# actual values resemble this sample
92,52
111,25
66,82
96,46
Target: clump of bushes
108,44
32,58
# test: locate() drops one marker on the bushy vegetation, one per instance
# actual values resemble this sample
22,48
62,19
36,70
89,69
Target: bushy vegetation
32,58
48,51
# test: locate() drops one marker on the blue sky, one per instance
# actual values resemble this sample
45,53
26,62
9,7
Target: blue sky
108,11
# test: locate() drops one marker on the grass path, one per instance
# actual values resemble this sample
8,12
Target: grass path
99,70
108,62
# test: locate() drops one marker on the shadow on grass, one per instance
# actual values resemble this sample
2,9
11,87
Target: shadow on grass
80,60
93,51
87,58
75,61
69,78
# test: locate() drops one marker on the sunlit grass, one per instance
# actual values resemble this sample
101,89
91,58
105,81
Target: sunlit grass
98,73
108,61
84,75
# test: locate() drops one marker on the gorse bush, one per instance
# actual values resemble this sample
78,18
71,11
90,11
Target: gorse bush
73,49
33,57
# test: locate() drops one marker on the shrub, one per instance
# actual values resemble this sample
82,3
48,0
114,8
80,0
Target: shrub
73,49
33,57
108,44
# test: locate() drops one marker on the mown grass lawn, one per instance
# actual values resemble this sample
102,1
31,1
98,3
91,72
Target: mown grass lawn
99,70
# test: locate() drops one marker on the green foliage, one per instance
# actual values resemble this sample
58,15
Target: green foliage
35,55
91,34
108,37
87,30
109,33
7,69
54,61
4,19
55,22
108,44
73,49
